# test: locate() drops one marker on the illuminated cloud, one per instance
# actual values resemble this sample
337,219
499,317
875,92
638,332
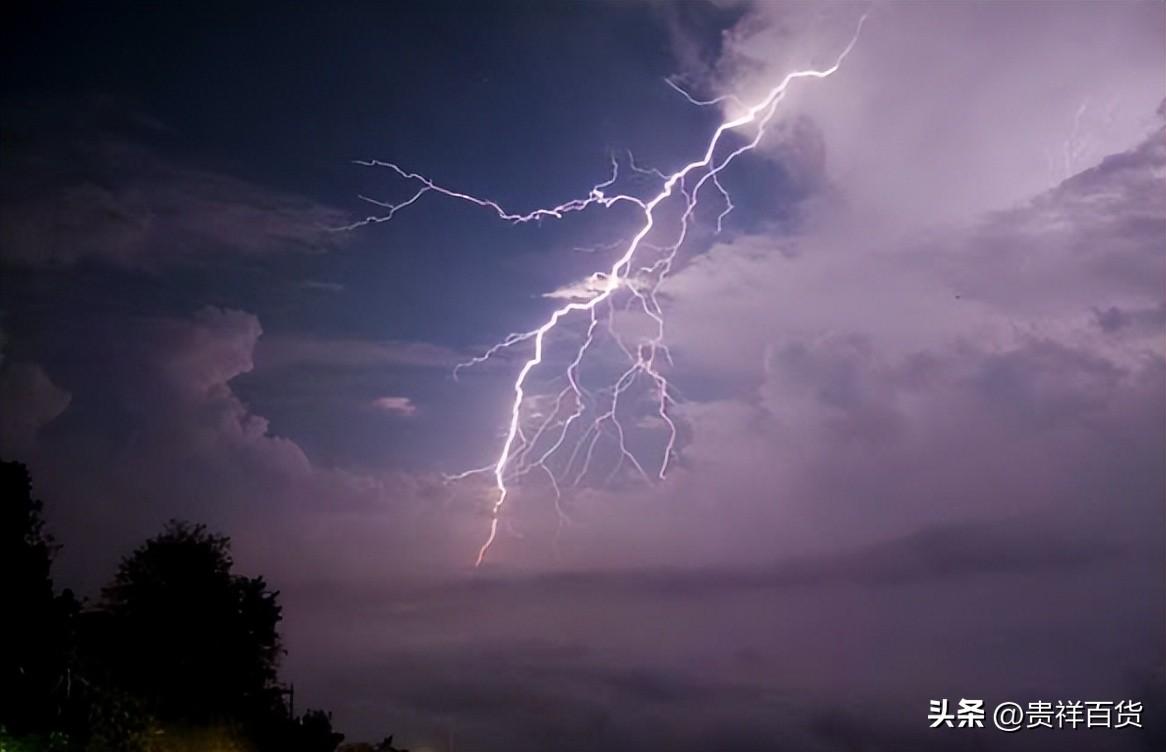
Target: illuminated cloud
395,405
922,130
584,289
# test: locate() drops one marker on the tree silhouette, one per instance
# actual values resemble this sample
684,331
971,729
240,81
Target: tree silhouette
179,654
200,643
314,733
37,645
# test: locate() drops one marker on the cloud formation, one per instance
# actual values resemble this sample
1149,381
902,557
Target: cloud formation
282,351
921,129
67,195
395,405
160,432
29,401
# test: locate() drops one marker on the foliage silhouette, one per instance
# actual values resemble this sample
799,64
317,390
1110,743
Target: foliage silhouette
179,653
38,643
199,641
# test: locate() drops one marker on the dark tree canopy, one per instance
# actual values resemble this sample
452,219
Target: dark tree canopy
200,642
179,654
37,640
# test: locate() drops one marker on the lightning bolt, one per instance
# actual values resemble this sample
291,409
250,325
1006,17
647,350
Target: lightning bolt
518,454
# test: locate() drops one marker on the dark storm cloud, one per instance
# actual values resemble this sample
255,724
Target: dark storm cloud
75,187
1114,320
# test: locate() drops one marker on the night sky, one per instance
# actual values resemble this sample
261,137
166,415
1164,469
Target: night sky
918,377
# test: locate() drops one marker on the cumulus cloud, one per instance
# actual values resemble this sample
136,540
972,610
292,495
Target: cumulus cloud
1043,268
29,400
161,433
865,386
919,130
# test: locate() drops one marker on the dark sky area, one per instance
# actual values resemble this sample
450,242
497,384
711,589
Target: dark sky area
918,377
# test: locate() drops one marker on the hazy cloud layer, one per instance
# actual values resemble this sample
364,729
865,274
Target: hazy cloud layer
298,350
68,194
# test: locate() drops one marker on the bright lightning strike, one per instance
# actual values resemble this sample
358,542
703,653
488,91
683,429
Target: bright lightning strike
523,451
